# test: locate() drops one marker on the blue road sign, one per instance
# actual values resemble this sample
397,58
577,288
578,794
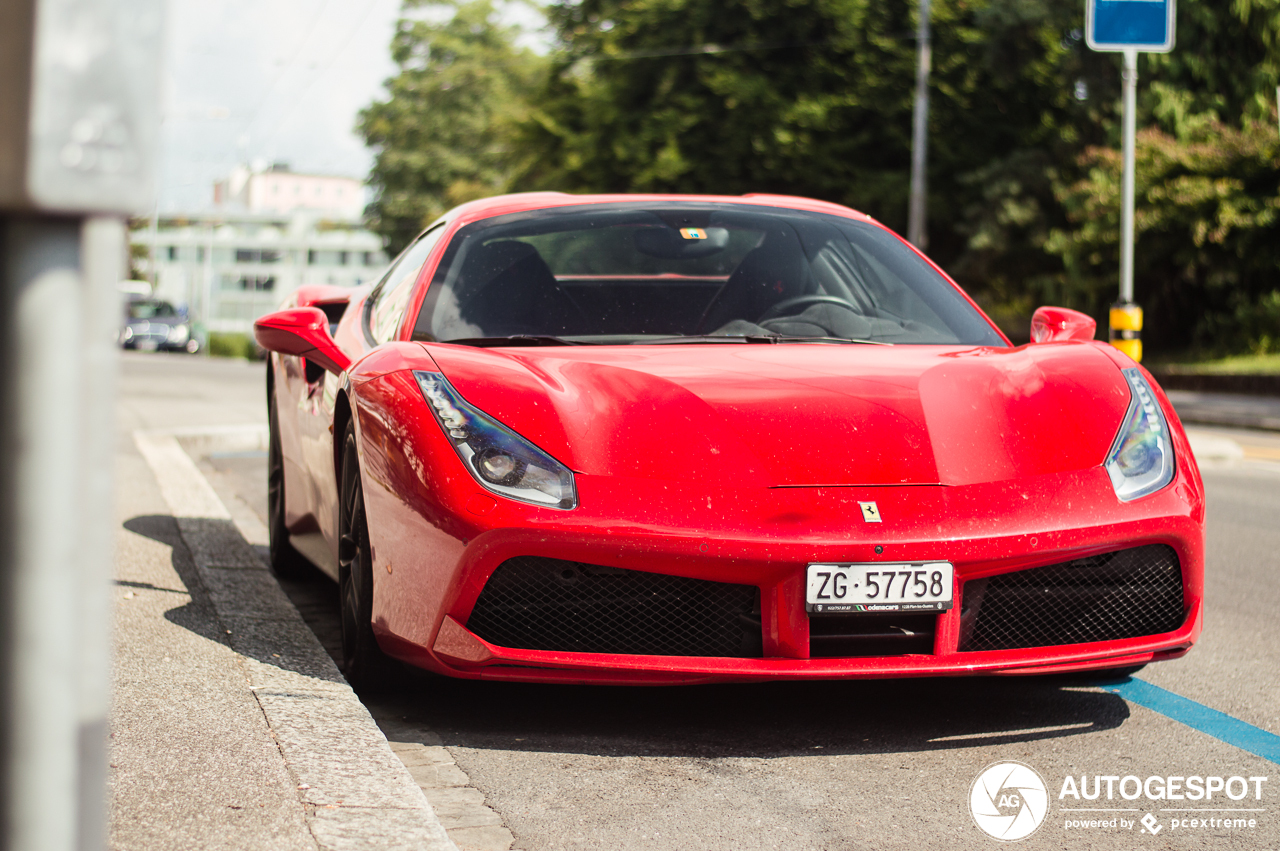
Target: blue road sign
1143,25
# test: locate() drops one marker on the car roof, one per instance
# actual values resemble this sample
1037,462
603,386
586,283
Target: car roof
524,201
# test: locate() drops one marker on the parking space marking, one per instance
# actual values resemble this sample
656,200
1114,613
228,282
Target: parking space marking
1197,716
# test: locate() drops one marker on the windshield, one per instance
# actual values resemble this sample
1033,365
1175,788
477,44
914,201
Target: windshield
151,310
632,273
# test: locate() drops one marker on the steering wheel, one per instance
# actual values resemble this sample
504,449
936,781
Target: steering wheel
785,306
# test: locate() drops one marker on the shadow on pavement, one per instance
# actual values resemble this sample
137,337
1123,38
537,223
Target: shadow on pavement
815,718
198,615
820,718
250,616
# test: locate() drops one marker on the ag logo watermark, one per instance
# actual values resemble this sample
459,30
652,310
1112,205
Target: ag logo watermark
1009,801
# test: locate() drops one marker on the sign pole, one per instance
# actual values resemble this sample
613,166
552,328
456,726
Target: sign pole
1129,90
1126,317
917,233
1129,27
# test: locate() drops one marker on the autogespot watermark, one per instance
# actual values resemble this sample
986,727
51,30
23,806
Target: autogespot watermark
1009,801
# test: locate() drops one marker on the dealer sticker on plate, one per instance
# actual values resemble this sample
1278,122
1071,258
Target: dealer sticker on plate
879,587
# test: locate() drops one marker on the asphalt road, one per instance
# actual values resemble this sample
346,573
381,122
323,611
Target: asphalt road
843,765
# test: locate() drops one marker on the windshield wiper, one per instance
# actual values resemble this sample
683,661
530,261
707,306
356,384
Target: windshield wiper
518,340
708,338
767,339
785,339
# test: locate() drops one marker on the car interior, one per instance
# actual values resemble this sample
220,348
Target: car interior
637,277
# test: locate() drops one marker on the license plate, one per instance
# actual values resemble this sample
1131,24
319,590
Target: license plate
880,587
148,345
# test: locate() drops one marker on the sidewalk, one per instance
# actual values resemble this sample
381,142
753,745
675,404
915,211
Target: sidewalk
1226,409
231,728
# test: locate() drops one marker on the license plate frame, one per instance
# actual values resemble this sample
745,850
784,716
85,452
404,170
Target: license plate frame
843,588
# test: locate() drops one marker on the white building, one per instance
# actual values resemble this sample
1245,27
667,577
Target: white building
230,268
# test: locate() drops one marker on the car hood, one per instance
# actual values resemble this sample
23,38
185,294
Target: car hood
802,414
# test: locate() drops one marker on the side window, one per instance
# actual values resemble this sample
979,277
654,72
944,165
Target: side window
388,302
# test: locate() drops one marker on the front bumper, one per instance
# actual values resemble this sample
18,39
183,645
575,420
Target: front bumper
983,530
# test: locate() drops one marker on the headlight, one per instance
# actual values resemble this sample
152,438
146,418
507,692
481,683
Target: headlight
1141,459
178,334
501,460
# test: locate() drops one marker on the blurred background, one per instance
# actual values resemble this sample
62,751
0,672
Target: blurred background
306,141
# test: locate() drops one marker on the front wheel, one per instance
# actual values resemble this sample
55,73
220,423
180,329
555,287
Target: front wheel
363,663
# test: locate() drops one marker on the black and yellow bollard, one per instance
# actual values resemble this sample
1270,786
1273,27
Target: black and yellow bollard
1126,329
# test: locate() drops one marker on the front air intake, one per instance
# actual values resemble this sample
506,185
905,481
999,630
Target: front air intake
534,603
1124,594
848,636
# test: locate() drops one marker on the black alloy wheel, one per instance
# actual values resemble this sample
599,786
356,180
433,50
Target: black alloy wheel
363,663
286,562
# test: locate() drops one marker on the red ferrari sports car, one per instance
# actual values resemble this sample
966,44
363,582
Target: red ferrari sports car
672,439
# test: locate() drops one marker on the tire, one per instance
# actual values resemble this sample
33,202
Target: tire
363,662
285,561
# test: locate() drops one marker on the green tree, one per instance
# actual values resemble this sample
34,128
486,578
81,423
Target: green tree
442,134
1207,254
1208,233
678,95
815,99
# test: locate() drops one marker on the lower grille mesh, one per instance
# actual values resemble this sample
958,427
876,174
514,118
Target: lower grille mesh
1124,594
533,603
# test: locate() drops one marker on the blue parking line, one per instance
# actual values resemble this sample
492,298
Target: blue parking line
1197,716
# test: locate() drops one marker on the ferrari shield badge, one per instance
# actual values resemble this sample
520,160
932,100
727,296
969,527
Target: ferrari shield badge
870,512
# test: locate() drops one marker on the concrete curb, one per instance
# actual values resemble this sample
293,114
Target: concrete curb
1252,384
1222,409
1209,448
355,792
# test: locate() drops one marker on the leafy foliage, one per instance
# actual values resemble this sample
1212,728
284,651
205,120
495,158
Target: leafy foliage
439,134
814,98
1207,246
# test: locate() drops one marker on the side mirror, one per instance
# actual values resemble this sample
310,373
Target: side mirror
1056,324
301,331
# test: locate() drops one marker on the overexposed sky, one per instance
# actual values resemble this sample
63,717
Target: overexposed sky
271,80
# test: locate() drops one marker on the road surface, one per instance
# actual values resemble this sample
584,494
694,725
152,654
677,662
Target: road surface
844,765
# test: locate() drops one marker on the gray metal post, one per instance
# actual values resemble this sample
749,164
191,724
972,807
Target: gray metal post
60,315
1129,82
78,128
42,453
917,217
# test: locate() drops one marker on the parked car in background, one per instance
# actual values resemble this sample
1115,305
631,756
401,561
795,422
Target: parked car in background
152,324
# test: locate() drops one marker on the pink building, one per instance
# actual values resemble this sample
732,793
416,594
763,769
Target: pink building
279,191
